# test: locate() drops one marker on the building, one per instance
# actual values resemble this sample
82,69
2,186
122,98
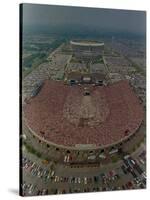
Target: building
87,51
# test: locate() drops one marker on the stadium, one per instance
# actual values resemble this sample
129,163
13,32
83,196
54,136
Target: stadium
89,123
83,117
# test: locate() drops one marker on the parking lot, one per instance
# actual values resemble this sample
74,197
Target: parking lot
49,178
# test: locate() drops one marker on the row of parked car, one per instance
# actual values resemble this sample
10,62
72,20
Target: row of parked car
28,189
37,170
101,178
131,166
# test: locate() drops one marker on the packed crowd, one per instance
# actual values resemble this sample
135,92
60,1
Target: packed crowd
44,114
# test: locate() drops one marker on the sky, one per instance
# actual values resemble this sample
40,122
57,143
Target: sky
36,15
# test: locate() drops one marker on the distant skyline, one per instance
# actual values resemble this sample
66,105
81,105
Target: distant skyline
98,19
